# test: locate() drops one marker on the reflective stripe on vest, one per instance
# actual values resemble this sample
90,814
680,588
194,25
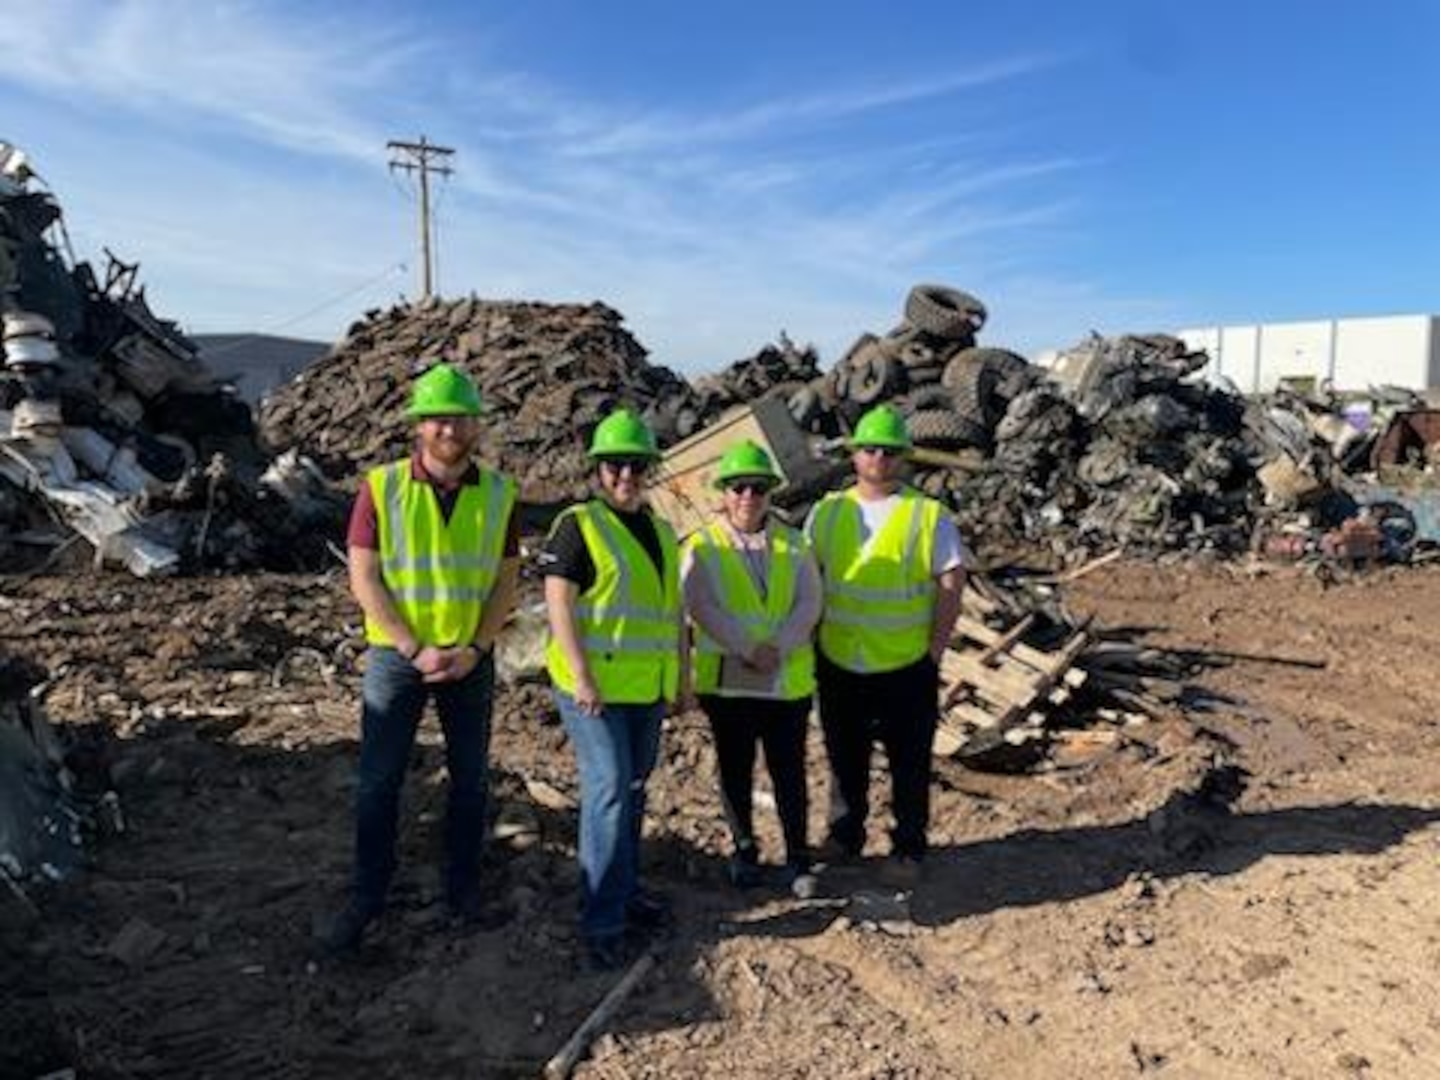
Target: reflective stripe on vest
731,582
880,594
628,620
439,573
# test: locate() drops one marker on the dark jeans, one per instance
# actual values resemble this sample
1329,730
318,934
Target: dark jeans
901,709
614,753
395,694
739,725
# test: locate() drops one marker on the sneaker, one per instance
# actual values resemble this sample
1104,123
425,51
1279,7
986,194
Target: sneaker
648,910
606,953
346,930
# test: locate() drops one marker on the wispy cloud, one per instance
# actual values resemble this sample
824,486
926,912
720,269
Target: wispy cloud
291,82
658,131
795,210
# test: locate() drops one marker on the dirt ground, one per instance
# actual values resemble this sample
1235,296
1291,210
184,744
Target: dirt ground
1074,922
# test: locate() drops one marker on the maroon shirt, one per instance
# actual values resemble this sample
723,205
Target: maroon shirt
364,530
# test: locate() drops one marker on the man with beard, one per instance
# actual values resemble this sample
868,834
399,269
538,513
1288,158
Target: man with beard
434,561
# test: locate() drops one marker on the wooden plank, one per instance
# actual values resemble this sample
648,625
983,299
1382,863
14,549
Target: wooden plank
1006,640
974,716
1004,685
1026,654
948,739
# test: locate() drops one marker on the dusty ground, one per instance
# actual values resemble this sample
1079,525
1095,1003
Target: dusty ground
1060,933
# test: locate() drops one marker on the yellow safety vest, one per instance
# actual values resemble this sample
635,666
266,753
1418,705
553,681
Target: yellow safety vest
438,573
761,616
880,595
629,618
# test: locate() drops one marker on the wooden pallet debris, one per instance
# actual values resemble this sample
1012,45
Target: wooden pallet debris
1022,674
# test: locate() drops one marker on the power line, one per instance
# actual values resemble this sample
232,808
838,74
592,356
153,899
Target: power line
292,320
420,158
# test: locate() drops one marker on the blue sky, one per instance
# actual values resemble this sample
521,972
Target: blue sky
720,172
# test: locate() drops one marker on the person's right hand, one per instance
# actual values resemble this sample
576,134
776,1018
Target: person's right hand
764,658
587,695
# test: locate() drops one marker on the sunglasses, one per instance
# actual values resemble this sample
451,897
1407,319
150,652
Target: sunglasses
750,487
881,451
638,466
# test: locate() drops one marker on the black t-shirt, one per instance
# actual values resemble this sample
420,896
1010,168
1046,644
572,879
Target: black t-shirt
565,554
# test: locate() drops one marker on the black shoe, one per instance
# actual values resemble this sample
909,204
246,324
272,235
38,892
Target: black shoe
648,910
345,931
606,954
837,853
743,872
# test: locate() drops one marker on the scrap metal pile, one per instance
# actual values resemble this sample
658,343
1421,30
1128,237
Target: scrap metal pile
112,430
1123,444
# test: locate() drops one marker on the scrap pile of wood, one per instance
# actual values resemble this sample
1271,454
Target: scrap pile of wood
1022,675
547,374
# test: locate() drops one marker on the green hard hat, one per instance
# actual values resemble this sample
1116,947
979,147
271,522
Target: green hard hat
444,390
746,458
882,426
623,434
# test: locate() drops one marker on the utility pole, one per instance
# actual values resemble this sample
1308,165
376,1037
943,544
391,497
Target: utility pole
421,157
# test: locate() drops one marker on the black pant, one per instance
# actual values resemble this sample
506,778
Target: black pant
739,724
901,709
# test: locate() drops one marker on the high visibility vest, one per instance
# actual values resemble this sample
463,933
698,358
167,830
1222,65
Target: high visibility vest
880,595
439,573
629,618
730,579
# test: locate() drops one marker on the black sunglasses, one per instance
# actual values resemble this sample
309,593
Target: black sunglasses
638,466
881,451
750,487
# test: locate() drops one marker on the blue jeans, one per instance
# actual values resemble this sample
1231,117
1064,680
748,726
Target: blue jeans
394,701
615,753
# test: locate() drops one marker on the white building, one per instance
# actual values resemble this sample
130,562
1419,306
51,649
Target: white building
1350,354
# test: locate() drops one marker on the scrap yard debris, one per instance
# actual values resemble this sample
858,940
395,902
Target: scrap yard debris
547,374
112,430
1025,686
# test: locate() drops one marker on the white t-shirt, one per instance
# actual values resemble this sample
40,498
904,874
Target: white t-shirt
948,550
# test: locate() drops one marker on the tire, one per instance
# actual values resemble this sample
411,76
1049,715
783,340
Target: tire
974,378
859,348
932,397
876,377
915,354
945,312
944,429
